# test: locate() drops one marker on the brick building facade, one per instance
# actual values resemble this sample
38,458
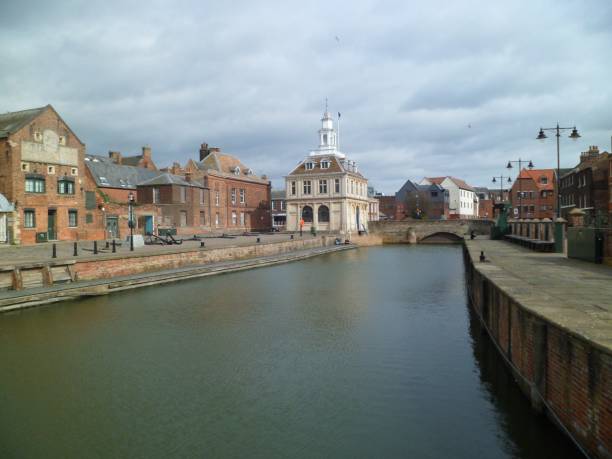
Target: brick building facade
239,198
587,186
41,174
533,194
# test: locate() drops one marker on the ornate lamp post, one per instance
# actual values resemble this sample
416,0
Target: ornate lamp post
520,163
574,136
501,185
131,219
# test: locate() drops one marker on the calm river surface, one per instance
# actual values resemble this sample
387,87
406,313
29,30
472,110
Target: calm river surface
366,353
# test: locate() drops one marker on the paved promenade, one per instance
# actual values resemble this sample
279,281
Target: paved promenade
575,295
11,255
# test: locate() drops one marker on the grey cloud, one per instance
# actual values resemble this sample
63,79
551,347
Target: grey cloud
251,77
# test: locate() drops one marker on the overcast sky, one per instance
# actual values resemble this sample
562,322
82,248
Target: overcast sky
425,88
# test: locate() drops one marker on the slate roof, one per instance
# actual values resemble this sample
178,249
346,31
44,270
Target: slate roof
278,194
110,175
11,122
336,165
168,179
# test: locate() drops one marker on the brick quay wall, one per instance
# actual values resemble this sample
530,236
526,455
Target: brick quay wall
566,373
93,269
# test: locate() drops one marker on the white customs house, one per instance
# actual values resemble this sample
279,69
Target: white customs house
326,190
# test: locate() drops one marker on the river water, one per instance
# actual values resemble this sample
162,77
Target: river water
365,353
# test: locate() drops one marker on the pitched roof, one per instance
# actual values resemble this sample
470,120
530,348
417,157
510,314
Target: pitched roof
278,194
457,181
227,166
335,165
11,122
537,174
108,174
168,179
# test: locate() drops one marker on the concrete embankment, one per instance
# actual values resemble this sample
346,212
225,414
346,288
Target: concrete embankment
107,274
551,320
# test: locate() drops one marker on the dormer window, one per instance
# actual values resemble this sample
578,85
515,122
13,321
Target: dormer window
62,140
309,166
237,170
248,172
544,180
325,164
37,136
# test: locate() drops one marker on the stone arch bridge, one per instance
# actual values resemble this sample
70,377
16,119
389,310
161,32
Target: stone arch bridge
428,231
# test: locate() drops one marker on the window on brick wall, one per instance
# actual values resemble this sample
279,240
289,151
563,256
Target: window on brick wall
183,193
337,185
202,218
201,196
217,198
242,196
73,218
35,185
233,195
155,195
234,218
29,218
241,218
65,186
217,219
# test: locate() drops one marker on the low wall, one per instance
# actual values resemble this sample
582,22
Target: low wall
565,375
144,263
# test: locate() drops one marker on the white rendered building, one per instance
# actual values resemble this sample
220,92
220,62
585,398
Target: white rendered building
326,190
462,199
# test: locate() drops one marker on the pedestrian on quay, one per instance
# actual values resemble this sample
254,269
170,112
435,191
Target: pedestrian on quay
301,226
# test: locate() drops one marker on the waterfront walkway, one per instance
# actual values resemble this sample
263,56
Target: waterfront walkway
11,255
575,295
17,299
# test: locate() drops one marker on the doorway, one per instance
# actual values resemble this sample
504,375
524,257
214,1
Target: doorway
112,226
51,224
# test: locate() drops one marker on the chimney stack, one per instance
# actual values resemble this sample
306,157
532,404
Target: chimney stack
115,156
146,152
204,151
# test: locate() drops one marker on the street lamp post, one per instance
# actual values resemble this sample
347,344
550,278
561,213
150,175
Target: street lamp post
574,136
501,185
520,163
131,219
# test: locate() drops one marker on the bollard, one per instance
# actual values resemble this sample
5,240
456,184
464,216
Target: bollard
202,244
482,255
106,245
258,239
114,246
54,251
75,252
291,237
95,247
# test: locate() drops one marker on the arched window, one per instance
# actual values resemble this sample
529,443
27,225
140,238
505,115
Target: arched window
307,214
323,214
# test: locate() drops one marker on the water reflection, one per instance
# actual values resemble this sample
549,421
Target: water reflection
367,353
528,435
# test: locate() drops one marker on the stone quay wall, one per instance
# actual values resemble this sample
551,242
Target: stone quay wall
565,375
100,268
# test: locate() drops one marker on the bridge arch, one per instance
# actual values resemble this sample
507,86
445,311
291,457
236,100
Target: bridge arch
441,237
